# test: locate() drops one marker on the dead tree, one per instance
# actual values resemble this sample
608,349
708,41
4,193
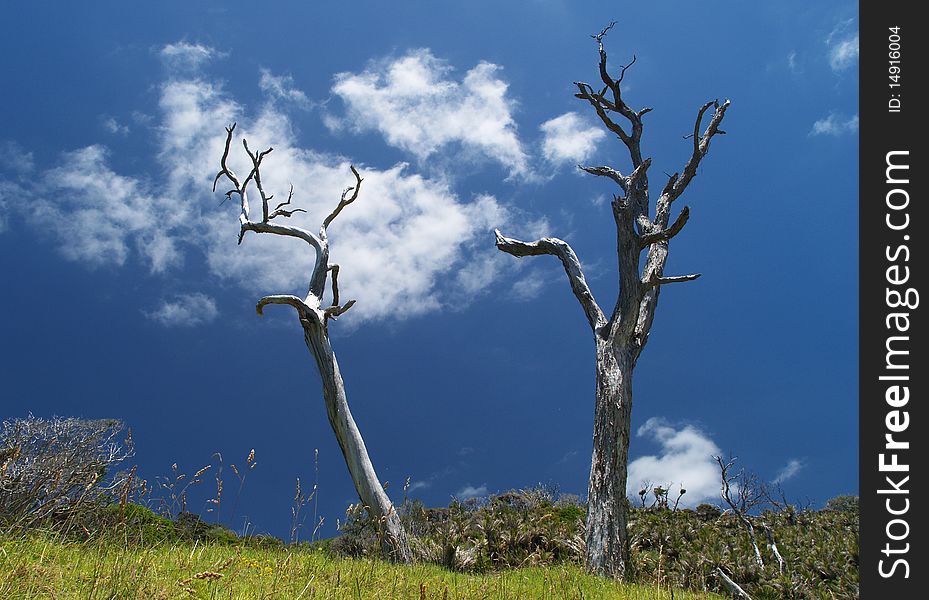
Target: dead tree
620,337
314,318
748,494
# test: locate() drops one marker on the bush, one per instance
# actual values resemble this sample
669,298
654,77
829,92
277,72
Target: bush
53,470
843,504
682,548
708,512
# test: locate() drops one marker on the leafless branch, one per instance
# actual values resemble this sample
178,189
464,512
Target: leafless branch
280,211
605,171
334,311
747,494
769,533
287,299
572,267
256,175
231,176
665,235
732,586
701,146
656,281
241,189
346,199
601,105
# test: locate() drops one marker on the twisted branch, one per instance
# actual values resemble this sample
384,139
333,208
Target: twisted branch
345,200
572,267
334,311
280,211
305,308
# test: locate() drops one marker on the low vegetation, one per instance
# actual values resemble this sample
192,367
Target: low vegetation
680,548
45,566
69,528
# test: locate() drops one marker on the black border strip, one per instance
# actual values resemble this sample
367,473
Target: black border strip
892,271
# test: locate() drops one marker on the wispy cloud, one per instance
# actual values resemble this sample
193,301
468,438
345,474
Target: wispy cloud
187,56
842,44
415,486
98,216
111,125
417,105
16,158
570,139
469,491
789,470
9,191
184,310
568,456
282,87
793,62
528,286
835,125
685,458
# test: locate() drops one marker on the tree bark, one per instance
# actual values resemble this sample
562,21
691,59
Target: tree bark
394,542
607,540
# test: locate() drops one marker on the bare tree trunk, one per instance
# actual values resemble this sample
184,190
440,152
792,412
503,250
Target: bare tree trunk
607,540
315,321
394,542
621,336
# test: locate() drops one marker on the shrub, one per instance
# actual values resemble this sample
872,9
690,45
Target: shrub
843,504
52,470
708,512
682,548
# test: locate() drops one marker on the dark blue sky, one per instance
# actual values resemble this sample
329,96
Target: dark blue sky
124,294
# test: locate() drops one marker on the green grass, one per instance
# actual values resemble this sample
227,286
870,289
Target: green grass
40,565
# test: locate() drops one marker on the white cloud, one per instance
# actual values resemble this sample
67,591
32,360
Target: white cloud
419,485
570,139
469,491
843,46
9,192
528,287
568,456
835,125
844,54
416,105
792,467
16,158
792,62
282,87
598,200
111,125
187,56
686,458
404,246
394,244
185,310
97,216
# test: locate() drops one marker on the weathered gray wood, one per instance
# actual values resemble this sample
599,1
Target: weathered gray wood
620,339
772,544
740,507
314,320
732,586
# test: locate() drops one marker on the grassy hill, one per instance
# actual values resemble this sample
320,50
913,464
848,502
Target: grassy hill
41,565
516,545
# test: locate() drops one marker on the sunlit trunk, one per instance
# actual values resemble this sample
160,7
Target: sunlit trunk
607,540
